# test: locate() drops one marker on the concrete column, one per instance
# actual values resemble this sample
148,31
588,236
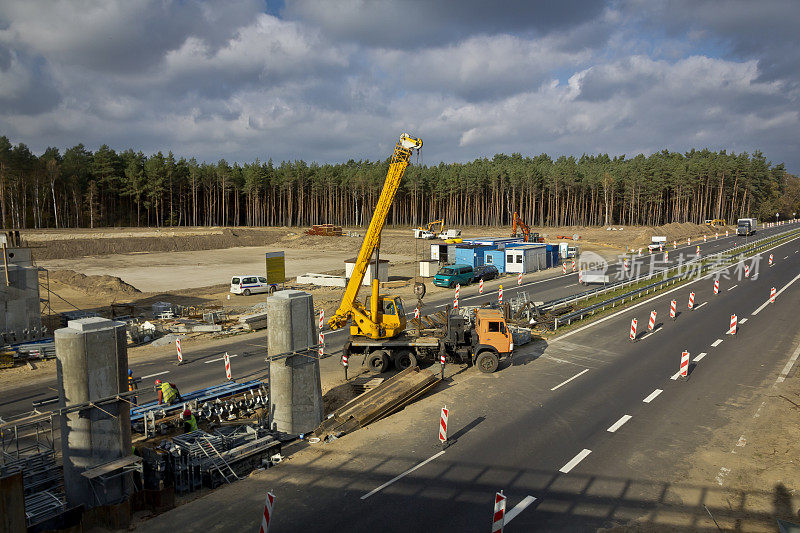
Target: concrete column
294,382
92,363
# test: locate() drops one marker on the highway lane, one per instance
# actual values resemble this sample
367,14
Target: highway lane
193,376
517,430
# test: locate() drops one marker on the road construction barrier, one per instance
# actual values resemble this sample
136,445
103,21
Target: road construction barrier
265,519
178,347
770,259
480,287
563,268
661,247
416,313
443,425
674,245
688,241
640,252
500,294
698,250
227,366
732,331
321,339
716,286
574,266
746,271
726,233
580,276
625,264
772,295
455,300
673,306
344,360
691,301
519,279
499,517
704,238
685,364
666,255
716,235
633,329
652,322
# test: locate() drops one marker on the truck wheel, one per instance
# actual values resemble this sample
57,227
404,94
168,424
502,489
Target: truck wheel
487,362
404,359
272,289
246,292
378,361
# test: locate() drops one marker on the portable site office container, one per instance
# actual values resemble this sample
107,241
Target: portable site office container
496,258
553,258
526,258
471,255
444,253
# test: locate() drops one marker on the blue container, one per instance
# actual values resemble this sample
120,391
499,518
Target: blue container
467,254
496,258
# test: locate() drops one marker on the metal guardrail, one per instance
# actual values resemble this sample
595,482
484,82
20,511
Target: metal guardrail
653,287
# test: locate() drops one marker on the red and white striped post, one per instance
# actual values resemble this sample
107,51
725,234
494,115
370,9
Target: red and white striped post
734,321
661,247
666,255
625,264
480,287
563,268
674,245
180,352
704,238
227,365
580,276
321,338
455,300
640,252
746,271
416,313
684,364
519,278
443,425
499,517
442,361
770,259
726,233
573,265
652,322
688,241
265,519
772,295
698,250
673,307
344,364
633,329
716,286
691,301
716,235
500,294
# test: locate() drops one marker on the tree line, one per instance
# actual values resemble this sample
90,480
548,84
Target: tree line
81,188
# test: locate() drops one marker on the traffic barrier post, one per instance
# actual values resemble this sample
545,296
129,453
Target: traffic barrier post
673,306
563,268
180,352
651,324
519,279
500,294
227,366
633,330
499,517
716,286
691,301
480,287
267,516
772,295
734,321
443,426
770,259
685,365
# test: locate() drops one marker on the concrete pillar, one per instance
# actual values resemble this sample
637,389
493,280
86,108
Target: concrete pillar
12,504
295,389
92,363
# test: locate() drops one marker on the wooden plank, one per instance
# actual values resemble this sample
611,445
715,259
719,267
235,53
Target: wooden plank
107,468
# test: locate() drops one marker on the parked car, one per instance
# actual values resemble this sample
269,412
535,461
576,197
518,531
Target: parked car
453,275
248,285
485,272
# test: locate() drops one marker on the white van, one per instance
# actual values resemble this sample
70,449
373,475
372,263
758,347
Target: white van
250,284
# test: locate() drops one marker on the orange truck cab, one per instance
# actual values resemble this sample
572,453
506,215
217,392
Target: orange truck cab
492,339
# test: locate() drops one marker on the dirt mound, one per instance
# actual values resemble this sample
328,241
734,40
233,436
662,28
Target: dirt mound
68,248
92,284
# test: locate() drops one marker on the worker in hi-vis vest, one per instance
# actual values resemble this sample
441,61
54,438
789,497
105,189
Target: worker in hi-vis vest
132,386
168,393
189,421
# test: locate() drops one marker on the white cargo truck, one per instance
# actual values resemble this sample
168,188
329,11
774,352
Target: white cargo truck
656,242
594,276
746,226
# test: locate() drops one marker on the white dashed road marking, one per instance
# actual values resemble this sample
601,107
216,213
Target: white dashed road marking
701,305
579,374
521,506
652,396
574,461
733,287
618,423
423,463
716,343
156,374
700,357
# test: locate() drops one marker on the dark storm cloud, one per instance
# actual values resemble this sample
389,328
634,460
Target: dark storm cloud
418,23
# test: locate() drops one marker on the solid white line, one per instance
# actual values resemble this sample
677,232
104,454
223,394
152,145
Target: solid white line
521,506
220,359
716,343
652,396
618,424
701,305
700,357
579,374
156,374
675,375
423,463
733,287
789,364
574,461
762,306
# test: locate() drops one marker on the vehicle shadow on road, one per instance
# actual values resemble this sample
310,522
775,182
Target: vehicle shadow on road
526,354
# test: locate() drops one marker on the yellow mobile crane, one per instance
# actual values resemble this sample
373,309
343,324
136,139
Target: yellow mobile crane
385,317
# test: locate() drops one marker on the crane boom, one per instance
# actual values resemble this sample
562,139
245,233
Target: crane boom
367,322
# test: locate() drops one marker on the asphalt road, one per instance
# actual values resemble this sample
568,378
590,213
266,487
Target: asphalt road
204,367
582,432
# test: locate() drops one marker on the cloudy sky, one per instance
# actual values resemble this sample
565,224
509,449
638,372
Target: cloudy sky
330,80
